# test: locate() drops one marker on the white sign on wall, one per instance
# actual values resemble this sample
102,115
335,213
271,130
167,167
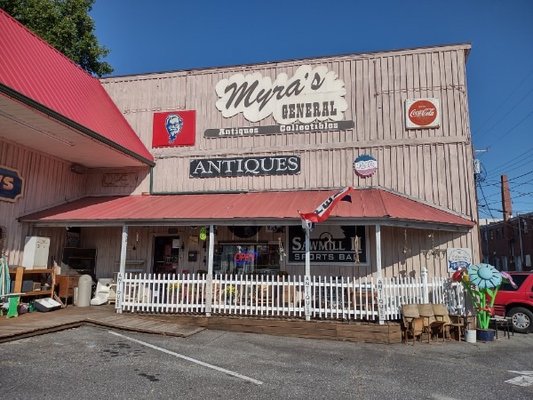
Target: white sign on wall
311,94
458,258
422,113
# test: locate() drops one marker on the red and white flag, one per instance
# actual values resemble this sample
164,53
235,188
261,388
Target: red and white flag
323,210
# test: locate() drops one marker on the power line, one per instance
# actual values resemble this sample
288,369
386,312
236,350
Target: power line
515,159
514,192
515,126
520,176
512,179
507,113
519,85
484,198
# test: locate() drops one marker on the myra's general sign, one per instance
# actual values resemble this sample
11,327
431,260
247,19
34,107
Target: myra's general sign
422,113
312,94
11,184
174,128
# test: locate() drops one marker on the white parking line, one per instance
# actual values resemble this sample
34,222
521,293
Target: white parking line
204,364
524,379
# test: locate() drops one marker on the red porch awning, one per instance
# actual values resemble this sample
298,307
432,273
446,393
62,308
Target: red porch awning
368,206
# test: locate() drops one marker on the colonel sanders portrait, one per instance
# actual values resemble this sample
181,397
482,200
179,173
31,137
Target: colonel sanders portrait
173,124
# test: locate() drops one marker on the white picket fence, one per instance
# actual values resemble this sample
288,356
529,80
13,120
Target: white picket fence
338,298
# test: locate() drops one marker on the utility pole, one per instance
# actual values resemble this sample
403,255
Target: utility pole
519,267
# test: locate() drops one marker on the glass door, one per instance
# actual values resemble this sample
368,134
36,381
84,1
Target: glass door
166,254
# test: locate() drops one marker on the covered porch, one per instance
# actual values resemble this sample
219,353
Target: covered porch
124,230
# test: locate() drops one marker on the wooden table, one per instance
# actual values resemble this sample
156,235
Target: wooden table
65,286
460,323
22,274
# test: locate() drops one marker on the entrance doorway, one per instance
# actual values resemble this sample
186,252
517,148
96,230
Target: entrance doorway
166,254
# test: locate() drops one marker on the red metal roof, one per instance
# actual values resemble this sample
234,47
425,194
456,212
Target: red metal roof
367,204
34,69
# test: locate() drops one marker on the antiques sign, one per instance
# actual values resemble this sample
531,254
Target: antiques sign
274,129
244,166
11,184
311,94
329,244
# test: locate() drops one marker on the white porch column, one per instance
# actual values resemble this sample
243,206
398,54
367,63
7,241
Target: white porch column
378,251
307,277
379,286
425,289
122,269
209,280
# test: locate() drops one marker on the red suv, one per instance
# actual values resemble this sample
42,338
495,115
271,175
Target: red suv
517,303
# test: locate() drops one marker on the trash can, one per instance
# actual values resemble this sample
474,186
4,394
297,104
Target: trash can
85,286
470,336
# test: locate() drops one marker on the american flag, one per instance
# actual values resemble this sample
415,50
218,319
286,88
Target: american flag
322,212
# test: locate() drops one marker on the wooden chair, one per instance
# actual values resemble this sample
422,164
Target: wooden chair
412,323
431,324
442,314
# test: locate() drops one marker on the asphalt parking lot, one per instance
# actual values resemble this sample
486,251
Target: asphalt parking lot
96,363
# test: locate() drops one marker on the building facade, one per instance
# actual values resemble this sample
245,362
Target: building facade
508,245
242,150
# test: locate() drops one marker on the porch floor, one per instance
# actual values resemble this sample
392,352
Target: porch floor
38,323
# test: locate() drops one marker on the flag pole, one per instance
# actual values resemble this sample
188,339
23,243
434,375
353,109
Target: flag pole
307,225
320,214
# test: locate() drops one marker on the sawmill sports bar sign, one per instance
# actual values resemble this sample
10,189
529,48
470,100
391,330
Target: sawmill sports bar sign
312,100
244,166
329,244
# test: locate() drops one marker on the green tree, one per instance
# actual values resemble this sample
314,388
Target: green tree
66,25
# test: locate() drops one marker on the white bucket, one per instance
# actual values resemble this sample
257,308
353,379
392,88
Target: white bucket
470,336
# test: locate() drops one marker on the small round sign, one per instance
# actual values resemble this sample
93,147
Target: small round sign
365,165
422,112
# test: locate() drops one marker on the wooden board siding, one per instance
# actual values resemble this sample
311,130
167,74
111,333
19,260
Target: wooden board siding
404,251
48,182
430,165
108,182
433,165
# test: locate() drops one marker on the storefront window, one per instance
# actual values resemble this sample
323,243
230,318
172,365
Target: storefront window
246,259
330,245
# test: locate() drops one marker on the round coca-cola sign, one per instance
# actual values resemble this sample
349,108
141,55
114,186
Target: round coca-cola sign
422,113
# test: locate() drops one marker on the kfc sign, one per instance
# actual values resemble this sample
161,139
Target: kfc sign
311,94
422,113
174,128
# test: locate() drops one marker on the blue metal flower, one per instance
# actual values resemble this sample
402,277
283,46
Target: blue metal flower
484,276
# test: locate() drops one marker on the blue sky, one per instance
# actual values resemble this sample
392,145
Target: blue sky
166,35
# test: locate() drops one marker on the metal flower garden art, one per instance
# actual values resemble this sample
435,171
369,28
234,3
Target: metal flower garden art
481,282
